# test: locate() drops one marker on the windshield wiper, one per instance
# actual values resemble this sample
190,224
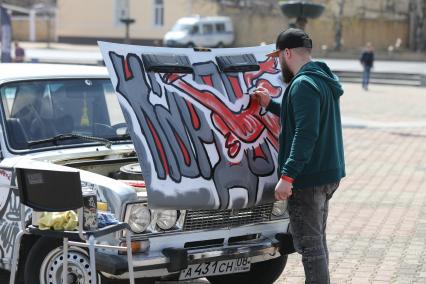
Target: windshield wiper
120,137
70,136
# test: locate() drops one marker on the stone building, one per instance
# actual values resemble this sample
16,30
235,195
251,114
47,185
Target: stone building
395,24
82,21
32,23
384,23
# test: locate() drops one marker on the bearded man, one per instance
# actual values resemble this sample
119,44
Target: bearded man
311,159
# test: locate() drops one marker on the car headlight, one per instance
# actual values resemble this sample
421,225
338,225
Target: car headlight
166,219
139,217
279,208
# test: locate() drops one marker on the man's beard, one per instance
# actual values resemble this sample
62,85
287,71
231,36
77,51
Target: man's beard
287,74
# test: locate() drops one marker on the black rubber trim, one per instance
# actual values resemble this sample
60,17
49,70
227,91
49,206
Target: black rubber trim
178,259
286,243
167,63
238,63
110,263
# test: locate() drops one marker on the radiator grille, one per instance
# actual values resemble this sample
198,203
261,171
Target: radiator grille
214,219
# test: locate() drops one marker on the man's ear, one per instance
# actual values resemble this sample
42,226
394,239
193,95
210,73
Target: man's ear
287,53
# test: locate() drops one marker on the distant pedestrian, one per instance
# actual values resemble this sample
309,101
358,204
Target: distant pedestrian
19,53
367,61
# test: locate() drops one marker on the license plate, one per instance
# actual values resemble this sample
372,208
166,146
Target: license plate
215,268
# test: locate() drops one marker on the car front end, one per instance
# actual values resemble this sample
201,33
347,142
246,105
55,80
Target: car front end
75,121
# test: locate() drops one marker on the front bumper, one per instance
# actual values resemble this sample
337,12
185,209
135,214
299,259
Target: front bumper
171,260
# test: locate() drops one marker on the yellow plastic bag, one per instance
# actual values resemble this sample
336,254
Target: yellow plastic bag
58,221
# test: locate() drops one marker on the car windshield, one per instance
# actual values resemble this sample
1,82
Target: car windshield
182,27
42,109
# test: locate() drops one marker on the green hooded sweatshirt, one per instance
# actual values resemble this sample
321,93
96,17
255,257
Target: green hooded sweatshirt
311,143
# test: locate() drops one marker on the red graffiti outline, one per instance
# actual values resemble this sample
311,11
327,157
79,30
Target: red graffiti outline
244,126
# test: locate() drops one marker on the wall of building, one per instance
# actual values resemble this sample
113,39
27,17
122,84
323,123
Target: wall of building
253,27
382,33
380,22
21,30
203,7
82,20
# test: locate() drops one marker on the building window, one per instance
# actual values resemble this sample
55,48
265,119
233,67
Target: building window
159,13
121,11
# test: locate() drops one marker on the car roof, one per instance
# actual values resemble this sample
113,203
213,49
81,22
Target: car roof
27,71
195,19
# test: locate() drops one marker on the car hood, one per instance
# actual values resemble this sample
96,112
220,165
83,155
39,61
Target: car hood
202,141
175,35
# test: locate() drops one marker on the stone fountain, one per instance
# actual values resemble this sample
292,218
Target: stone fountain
301,11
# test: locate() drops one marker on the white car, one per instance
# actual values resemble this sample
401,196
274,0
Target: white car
201,32
70,116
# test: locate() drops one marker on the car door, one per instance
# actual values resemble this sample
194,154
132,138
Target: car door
207,38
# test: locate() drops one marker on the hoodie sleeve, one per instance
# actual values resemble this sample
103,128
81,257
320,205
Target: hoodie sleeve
274,107
305,101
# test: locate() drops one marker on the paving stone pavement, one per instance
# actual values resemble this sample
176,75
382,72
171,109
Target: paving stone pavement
377,221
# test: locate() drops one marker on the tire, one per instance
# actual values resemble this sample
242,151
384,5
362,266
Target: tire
266,272
190,45
220,45
44,266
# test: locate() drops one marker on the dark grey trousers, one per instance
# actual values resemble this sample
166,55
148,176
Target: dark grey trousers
308,209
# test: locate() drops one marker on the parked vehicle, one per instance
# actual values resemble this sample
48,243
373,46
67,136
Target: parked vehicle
201,32
70,116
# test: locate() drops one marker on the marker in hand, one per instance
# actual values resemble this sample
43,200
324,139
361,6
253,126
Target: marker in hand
261,95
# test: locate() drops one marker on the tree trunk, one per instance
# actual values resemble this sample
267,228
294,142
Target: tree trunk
339,26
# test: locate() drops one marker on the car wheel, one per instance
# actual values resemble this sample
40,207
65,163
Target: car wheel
44,264
266,272
190,45
220,45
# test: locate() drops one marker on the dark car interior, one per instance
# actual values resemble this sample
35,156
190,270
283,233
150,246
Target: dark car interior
43,109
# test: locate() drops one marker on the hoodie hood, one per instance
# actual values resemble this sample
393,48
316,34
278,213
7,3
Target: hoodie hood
321,70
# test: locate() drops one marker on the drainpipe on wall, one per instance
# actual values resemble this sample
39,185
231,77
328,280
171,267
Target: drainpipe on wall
32,26
55,25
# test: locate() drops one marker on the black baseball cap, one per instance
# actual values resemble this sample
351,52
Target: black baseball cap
291,38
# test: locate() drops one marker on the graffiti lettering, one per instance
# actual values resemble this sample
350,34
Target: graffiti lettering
8,233
200,127
6,174
14,213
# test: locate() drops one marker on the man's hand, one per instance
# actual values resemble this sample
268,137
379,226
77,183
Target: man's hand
261,95
283,190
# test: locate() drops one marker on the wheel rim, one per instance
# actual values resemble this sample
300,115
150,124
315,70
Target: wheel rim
78,267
